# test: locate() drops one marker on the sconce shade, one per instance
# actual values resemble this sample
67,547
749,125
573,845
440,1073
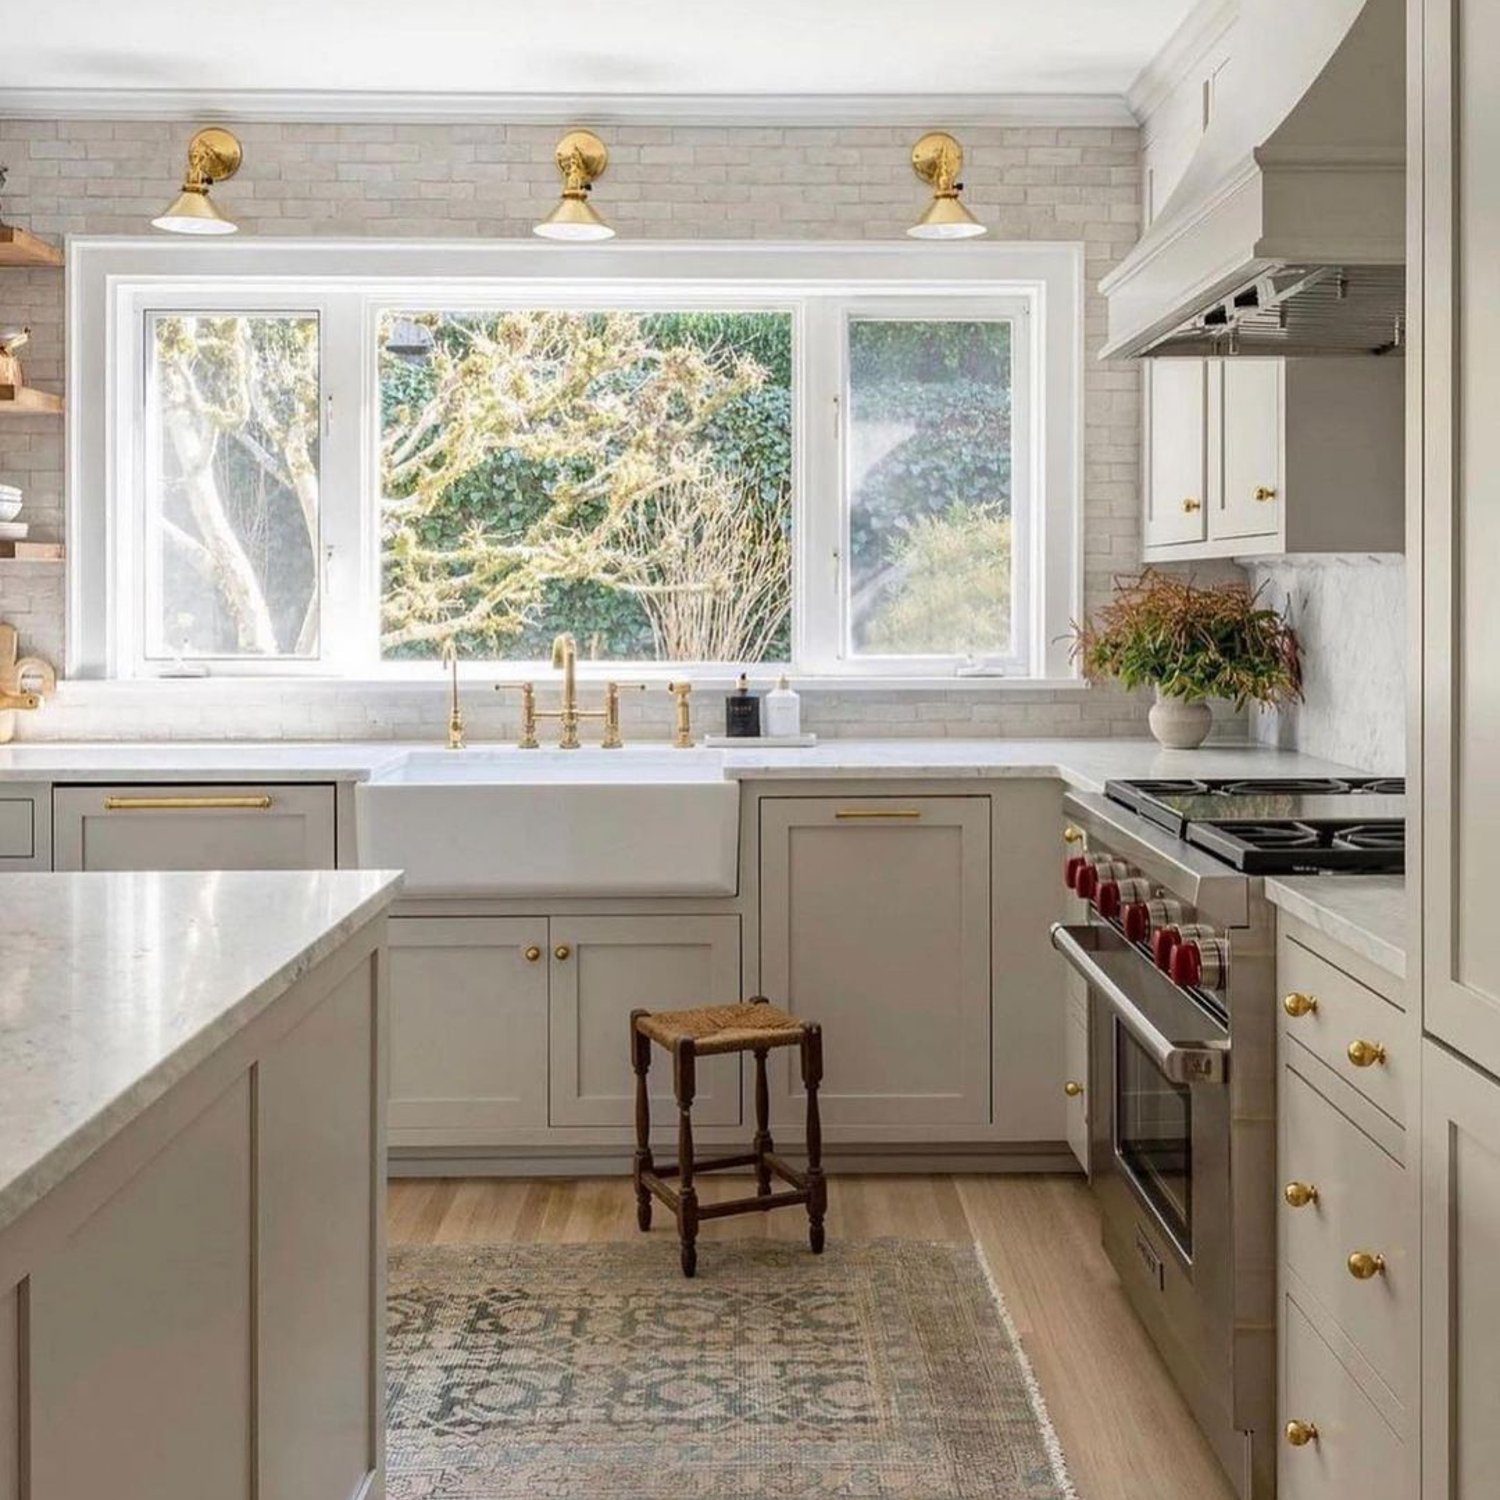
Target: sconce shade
214,155
938,159
581,158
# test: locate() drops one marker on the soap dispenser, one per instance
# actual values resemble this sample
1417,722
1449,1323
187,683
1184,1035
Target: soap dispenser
783,712
742,712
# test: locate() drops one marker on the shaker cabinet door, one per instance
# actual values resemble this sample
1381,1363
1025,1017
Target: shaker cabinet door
1176,451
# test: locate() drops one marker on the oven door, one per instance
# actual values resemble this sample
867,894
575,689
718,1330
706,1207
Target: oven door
1165,1095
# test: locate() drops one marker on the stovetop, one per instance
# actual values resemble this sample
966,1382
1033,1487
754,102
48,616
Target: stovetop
1281,826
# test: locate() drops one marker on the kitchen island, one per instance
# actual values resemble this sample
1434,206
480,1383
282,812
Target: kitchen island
192,1160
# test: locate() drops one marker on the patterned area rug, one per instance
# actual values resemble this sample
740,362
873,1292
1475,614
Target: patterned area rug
596,1372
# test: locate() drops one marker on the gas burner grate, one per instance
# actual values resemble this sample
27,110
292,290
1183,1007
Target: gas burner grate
1373,836
1286,786
1384,786
1276,835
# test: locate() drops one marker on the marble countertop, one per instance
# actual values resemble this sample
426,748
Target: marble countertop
1083,763
1366,913
115,986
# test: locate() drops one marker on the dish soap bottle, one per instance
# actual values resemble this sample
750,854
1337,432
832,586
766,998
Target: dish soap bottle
742,712
783,712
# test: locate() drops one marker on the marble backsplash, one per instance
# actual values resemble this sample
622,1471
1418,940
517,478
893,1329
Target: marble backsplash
1350,612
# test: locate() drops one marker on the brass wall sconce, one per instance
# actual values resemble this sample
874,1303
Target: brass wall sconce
581,158
938,159
214,155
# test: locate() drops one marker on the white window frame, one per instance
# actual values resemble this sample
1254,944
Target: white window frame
114,283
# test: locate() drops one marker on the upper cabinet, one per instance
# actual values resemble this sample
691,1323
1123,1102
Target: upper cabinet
1256,457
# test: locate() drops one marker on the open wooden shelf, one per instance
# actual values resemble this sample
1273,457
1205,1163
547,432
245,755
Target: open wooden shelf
22,399
19,247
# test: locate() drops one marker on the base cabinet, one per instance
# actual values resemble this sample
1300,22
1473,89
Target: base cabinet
1460,1292
468,1028
605,967
875,921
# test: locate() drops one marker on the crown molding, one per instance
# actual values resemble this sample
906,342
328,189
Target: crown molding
1201,30
292,106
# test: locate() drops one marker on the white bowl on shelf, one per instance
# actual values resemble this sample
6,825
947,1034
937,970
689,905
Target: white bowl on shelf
9,509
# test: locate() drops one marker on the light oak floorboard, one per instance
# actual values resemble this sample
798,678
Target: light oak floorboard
1124,1428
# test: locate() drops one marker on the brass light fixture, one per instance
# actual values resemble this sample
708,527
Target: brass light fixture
213,156
938,159
581,158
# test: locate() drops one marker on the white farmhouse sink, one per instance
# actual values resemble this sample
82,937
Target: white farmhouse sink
502,822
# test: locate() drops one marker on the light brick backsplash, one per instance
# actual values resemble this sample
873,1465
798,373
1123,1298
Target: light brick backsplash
452,180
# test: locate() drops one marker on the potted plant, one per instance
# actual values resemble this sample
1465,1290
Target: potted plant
1190,644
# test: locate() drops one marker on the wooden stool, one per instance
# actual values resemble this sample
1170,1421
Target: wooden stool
755,1026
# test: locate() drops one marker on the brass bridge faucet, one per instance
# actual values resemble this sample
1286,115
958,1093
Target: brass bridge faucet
569,716
455,713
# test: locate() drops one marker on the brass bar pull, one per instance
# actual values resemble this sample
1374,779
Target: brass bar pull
878,812
161,804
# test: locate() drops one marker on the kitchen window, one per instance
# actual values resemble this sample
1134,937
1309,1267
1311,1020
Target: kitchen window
854,462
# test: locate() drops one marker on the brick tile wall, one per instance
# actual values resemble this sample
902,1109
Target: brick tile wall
395,180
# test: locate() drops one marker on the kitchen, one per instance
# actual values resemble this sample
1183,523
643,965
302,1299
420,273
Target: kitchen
376,755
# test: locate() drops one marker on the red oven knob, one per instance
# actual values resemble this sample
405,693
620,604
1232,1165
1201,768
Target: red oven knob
1086,881
1137,920
1107,898
1070,871
1163,941
1186,966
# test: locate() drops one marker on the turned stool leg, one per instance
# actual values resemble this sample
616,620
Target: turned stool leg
817,1186
763,1142
640,1057
685,1071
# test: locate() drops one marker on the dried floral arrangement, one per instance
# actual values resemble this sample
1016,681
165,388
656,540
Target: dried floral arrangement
1192,642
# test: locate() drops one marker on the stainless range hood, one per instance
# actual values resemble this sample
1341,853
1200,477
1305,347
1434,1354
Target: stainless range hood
1286,234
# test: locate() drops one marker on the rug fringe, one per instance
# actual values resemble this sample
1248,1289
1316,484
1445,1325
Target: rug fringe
1050,1440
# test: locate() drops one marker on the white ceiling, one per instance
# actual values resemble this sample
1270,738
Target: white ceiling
587,47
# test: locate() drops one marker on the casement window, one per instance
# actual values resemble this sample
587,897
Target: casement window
300,459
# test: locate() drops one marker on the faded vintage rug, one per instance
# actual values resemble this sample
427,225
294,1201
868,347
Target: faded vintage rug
596,1372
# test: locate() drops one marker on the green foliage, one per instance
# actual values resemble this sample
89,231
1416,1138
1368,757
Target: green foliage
950,587
1192,643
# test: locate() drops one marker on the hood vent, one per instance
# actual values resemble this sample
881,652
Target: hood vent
1286,234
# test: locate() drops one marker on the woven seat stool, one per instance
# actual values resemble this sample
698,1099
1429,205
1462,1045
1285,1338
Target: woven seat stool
755,1026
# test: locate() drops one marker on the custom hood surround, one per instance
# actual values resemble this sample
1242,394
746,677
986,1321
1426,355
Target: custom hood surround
1286,234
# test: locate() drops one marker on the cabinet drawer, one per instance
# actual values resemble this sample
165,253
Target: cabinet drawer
1355,1453
1363,1204
1347,1015
201,827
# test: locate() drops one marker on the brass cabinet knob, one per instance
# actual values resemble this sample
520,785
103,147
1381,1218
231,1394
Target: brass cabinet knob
1264,492
1299,1194
533,953
1072,835
562,952
1298,1004
1190,505
1300,1434
1363,1265
1365,1054
1072,1088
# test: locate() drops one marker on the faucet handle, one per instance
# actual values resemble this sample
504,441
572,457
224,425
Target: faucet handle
683,738
527,739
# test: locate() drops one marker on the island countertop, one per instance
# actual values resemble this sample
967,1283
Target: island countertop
115,986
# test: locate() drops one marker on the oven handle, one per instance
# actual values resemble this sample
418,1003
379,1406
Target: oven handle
1195,1062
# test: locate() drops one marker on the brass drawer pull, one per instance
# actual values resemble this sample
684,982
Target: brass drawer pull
876,812
1365,1054
1072,835
1363,1266
1299,1194
160,804
1191,505
1300,1434
1072,1089
533,953
1264,492
1297,1004
562,953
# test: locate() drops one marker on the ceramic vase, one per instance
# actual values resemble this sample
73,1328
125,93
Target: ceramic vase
1178,724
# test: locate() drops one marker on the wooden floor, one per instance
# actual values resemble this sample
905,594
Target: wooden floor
1124,1428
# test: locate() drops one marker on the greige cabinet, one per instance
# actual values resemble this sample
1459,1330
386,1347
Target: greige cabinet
1460,1290
203,827
25,828
1454,274
1257,457
468,1028
602,968
876,921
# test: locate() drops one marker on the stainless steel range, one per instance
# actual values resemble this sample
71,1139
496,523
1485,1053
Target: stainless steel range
1176,941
